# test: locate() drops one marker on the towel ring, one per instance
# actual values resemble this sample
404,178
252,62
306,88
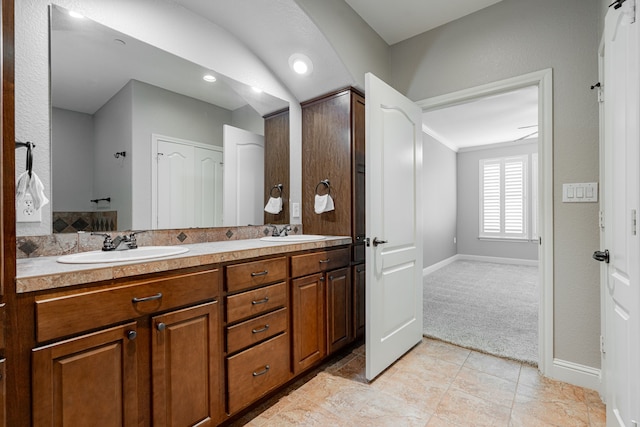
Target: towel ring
30,146
326,183
278,188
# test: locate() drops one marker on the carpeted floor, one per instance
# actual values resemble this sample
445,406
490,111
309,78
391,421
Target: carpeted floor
484,306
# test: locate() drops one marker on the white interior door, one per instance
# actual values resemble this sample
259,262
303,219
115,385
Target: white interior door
393,209
175,185
621,196
243,177
208,187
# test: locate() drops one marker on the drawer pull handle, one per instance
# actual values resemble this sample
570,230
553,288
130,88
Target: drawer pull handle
264,371
257,331
151,298
324,261
262,301
260,273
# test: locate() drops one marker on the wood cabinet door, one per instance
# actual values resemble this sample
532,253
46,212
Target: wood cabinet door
359,282
339,309
187,372
88,380
309,335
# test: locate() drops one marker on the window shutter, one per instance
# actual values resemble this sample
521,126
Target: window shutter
491,197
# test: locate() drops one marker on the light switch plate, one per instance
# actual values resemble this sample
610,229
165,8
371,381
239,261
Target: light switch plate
582,192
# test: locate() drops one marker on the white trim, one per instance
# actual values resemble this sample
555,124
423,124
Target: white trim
426,129
437,266
499,260
576,374
498,145
544,80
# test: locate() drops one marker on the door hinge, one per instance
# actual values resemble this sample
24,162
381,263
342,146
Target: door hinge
633,222
602,350
600,95
601,219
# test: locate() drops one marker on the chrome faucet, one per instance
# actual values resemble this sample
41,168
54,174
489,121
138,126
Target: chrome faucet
120,243
284,231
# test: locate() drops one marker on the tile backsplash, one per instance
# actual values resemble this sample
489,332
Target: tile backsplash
67,243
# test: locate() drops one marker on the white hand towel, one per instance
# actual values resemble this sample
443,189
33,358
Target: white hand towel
274,205
323,204
31,185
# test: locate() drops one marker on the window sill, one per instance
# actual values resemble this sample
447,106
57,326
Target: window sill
507,239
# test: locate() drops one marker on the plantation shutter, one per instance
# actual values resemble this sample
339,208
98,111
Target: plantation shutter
503,197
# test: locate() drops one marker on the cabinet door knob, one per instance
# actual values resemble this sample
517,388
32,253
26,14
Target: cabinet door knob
132,335
161,326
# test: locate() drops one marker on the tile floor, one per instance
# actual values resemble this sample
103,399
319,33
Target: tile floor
434,385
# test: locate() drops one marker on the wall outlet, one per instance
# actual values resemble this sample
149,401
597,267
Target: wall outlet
296,210
25,212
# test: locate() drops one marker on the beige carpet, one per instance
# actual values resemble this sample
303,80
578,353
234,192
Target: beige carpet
484,306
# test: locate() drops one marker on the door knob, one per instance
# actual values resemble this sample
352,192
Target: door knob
601,256
377,242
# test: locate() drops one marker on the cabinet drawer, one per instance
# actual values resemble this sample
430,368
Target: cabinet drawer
258,301
58,316
252,274
250,332
315,262
256,371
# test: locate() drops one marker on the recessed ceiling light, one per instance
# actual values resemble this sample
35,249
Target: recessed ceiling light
301,64
75,14
208,78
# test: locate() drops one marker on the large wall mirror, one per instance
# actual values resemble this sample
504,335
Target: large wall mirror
140,140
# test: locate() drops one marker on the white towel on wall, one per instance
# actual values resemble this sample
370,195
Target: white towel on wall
30,185
274,205
323,204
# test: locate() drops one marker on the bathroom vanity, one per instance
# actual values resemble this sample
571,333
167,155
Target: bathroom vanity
189,339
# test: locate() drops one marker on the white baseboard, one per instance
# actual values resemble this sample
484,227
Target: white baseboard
576,374
437,266
498,260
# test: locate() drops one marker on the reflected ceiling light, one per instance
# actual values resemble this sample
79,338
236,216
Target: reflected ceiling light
256,89
301,64
208,78
75,14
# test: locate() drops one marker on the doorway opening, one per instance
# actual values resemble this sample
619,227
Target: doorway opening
542,215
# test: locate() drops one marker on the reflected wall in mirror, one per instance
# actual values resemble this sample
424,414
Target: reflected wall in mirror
137,133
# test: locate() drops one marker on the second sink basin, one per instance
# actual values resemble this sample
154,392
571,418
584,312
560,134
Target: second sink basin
143,252
294,238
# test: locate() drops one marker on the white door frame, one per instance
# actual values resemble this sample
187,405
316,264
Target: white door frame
544,80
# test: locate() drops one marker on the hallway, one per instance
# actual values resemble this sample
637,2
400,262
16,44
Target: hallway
434,385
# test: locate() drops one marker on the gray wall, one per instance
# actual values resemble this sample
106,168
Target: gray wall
469,206
439,201
512,38
72,161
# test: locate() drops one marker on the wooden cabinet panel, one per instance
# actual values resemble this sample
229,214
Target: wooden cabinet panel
255,330
276,163
326,143
308,324
256,371
339,309
358,169
87,380
63,315
359,281
187,367
250,303
315,262
3,393
257,273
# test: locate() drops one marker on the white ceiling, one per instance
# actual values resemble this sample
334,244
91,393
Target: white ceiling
505,117
399,20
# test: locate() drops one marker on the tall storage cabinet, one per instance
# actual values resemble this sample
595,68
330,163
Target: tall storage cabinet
333,162
276,164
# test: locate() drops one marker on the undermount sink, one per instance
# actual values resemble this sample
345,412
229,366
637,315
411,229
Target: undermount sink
142,252
294,238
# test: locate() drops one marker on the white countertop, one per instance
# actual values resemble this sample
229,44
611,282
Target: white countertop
42,273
